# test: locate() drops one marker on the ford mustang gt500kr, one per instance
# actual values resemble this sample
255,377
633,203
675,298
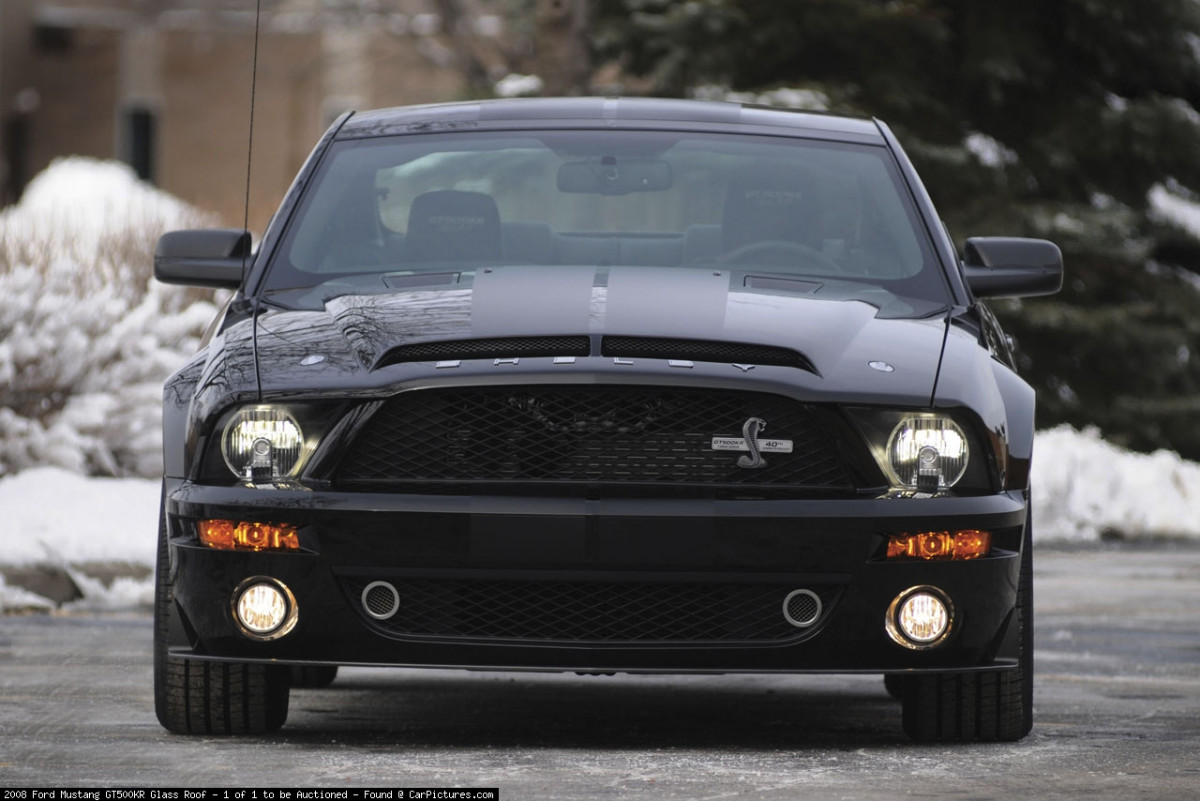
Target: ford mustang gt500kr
602,386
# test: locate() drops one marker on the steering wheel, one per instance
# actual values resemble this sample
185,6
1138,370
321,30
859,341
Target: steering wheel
785,252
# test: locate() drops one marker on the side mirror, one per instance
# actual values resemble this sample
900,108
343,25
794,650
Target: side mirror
1008,267
208,258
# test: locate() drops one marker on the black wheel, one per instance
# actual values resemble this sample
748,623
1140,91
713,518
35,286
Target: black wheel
969,707
313,676
199,697
894,685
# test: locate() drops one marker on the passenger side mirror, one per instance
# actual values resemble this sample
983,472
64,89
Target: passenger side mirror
208,258
1011,267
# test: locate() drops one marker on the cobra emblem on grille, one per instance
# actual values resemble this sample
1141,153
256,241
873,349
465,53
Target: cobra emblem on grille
749,442
750,432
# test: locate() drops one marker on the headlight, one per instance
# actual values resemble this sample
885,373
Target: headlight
267,445
927,453
262,444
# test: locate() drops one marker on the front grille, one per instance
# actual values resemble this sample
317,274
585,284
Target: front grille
703,350
493,348
592,611
590,435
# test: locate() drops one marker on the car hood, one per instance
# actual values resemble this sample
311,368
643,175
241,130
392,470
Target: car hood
860,344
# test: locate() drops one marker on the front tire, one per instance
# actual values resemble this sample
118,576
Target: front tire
200,697
973,707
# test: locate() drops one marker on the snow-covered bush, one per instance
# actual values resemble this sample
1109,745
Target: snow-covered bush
86,335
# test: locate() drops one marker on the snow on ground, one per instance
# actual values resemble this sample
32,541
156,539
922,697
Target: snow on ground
52,515
1085,489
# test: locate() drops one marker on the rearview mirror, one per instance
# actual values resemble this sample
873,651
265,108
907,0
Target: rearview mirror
612,176
1010,267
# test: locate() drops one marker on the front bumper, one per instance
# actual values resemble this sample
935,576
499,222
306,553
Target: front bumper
637,585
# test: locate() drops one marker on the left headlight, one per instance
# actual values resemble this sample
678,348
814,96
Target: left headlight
928,452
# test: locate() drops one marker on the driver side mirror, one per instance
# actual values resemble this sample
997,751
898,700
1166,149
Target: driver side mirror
208,258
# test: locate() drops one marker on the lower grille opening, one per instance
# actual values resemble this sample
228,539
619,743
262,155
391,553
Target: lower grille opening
601,612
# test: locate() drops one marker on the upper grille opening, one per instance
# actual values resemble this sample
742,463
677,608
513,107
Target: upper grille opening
589,435
491,348
704,350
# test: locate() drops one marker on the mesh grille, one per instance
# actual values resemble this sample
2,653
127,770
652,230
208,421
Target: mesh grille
702,350
495,348
592,612
608,435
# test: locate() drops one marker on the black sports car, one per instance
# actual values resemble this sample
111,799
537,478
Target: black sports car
602,386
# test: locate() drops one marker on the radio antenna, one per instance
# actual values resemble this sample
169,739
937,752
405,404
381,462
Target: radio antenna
250,144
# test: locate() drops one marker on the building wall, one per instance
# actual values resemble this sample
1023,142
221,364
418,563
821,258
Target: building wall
16,98
205,132
179,73
76,85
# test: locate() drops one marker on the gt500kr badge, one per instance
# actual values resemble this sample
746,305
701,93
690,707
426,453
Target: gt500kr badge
749,442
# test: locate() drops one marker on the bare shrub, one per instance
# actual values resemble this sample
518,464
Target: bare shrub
86,335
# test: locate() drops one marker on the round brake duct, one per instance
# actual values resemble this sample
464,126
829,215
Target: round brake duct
802,608
380,600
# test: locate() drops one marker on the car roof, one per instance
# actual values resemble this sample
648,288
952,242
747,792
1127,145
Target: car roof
624,113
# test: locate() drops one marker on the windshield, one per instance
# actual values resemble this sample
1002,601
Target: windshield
781,214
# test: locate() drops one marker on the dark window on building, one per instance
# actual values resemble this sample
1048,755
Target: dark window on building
16,157
141,126
52,39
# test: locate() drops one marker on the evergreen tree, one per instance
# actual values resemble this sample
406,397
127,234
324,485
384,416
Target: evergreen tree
1052,118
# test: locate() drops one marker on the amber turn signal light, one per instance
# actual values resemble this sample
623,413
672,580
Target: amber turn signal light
235,535
940,545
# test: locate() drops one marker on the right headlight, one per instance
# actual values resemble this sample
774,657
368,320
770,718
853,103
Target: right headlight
262,444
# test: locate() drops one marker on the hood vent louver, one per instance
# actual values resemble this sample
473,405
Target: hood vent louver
492,348
629,347
703,350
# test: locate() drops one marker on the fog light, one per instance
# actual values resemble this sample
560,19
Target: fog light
264,608
920,618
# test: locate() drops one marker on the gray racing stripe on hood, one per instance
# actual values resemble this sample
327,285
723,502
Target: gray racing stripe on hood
666,301
532,300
